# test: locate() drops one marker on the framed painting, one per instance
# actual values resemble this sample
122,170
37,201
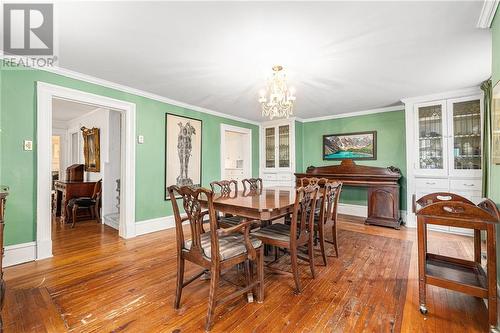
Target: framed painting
355,146
495,125
91,149
182,151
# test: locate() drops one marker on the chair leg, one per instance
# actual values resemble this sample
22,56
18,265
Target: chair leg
260,275
97,213
66,216
75,209
310,250
334,236
295,268
180,281
249,276
92,212
214,284
322,243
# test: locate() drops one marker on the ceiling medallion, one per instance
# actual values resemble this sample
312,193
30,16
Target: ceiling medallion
277,101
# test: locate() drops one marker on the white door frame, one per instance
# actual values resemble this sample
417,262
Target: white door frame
45,94
248,161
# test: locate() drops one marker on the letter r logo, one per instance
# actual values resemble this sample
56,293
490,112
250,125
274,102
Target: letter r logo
28,29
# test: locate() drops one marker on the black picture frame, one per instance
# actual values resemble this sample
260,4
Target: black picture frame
373,152
167,114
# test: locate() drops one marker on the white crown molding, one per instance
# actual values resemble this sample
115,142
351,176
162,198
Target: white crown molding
138,92
134,91
355,113
487,14
443,95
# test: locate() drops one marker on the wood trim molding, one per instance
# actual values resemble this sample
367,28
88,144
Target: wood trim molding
45,94
487,14
19,253
137,92
354,114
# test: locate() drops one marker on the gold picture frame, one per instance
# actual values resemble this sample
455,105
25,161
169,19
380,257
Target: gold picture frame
495,124
91,149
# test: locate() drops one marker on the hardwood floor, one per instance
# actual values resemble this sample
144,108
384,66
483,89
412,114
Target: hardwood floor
97,282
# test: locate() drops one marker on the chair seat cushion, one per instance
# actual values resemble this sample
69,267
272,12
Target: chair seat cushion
81,202
229,246
276,231
230,221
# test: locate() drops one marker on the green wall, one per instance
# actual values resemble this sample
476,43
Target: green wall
18,167
391,146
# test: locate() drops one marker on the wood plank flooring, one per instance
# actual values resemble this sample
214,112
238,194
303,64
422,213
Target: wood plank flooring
97,282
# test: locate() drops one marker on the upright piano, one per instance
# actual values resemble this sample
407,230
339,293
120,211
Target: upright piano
382,183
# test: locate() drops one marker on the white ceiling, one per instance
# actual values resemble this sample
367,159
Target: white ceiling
341,56
63,110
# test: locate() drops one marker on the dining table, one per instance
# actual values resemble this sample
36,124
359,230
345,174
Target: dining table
266,204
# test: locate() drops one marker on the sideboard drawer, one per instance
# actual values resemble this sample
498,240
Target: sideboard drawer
465,184
426,184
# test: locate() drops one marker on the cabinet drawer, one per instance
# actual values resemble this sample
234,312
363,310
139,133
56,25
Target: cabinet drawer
427,184
269,176
284,176
465,184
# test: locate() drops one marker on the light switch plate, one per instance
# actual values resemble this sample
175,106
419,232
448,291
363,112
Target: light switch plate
140,139
28,145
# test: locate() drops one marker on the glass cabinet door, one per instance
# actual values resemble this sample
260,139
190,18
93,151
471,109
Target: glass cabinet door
269,143
465,126
431,138
284,146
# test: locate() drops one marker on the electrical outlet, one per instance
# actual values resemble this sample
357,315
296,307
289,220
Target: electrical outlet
140,139
28,145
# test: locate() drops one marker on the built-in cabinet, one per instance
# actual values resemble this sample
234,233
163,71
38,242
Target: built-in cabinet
278,153
444,142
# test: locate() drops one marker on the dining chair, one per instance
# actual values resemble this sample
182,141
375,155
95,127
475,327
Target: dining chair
252,185
215,250
229,189
92,204
298,233
327,216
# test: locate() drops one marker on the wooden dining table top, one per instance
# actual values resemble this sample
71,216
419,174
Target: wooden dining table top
270,203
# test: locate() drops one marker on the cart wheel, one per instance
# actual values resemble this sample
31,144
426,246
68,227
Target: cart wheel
423,309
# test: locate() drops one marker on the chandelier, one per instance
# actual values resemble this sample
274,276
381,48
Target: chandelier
277,101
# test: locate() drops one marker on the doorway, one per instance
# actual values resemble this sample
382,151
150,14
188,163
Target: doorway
236,152
47,94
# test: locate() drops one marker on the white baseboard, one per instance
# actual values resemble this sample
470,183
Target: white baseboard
152,225
361,211
354,210
19,253
112,222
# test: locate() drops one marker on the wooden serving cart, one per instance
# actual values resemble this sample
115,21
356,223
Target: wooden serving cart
461,275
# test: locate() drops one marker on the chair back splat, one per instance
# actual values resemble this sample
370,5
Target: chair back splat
192,207
225,187
252,184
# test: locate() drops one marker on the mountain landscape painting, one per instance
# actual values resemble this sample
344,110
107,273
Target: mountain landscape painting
356,146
